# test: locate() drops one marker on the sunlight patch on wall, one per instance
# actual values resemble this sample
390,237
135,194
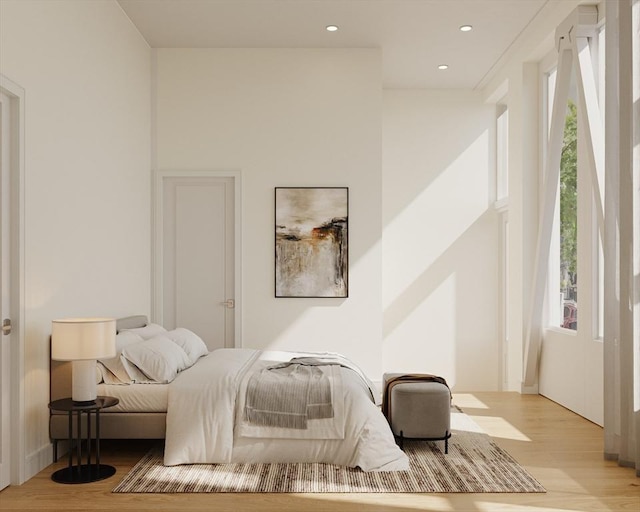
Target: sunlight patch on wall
440,214
427,333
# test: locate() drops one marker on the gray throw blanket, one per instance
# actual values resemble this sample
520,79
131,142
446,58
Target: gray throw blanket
289,394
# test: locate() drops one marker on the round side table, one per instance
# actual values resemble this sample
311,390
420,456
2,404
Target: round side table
79,473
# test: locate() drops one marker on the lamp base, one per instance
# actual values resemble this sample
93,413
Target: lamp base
83,474
83,381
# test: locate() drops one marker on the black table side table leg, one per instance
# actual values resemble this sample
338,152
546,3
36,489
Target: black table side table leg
70,440
89,438
79,440
98,438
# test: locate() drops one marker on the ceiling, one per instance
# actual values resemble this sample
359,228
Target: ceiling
415,36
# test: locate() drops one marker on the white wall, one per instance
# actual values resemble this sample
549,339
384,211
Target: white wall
441,248
86,75
423,240
286,117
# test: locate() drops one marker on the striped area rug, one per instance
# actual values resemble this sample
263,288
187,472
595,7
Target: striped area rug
474,464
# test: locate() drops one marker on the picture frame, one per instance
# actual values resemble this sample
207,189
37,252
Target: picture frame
312,242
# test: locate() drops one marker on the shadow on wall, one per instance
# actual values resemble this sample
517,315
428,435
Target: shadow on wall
445,321
441,240
438,271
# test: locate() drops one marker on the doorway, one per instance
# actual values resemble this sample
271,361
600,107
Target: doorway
12,452
5,289
195,271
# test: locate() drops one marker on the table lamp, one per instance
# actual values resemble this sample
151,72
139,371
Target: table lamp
82,341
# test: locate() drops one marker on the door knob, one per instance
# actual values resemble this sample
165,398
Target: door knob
229,303
6,326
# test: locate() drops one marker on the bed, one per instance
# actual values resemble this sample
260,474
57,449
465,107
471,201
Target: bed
229,405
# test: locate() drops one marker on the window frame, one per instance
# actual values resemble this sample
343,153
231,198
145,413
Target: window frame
589,262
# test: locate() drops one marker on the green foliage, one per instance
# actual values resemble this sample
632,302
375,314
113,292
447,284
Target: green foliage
569,195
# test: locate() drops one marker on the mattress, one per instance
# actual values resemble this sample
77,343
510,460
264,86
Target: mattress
136,397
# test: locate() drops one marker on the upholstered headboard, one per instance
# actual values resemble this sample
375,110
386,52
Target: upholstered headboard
131,322
60,371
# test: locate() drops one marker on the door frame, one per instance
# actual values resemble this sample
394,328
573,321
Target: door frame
157,215
17,458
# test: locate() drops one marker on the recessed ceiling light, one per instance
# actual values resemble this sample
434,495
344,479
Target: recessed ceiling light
332,28
465,28
443,66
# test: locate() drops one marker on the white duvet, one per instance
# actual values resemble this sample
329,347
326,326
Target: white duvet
205,406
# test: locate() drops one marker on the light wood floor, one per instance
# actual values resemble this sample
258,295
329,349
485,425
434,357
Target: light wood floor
560,449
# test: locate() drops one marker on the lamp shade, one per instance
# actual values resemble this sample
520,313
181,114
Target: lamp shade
74,339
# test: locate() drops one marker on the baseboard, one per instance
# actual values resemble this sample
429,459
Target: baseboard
529,390
38,460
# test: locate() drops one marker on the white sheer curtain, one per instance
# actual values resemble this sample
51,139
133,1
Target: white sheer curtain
622,234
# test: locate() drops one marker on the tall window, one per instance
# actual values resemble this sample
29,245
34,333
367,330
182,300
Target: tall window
576,244
563,258
502,153
569,219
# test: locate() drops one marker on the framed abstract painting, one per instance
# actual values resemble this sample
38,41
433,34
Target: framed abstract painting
312,242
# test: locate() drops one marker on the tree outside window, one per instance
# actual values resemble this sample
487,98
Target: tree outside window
569,219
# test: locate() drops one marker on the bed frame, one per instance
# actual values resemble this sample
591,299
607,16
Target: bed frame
113,425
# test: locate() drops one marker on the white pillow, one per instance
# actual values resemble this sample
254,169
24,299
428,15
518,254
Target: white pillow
147,332
159,358
135,374
190,342
117,373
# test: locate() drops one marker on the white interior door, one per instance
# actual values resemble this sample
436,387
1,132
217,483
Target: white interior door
5,336
198,257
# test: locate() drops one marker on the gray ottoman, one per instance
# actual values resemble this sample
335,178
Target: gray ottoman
417,406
